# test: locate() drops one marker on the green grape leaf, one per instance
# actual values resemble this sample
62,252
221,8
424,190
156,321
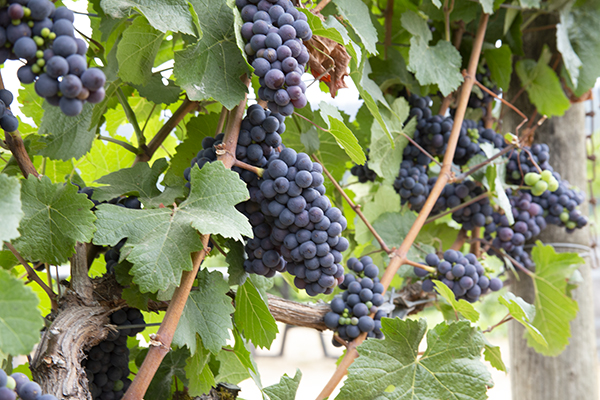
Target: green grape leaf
393,228
286,388
530,3
523,313
341,133
499,60
391,368
231,369
66,137
103,159
155,90
207,313
439,64
10,204
173,365
198,372
491,353
20,320
563,43
31,104
461,306
235,261
385,200
160,240
164,15
416,25
357,14
542,85
137,50
55,218
385,159
554,309
252,315
212,67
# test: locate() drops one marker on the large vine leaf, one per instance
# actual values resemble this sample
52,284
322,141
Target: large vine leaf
286,388
212,67
461,306
252,315
439,64
10,204
198,371
206,313
499,60
384,200
393,228
554,308
156,91
391,368
20,320
66,137
137,50
173,365
523,313
55,218
357,14
160,240
102,160
342,134
164,15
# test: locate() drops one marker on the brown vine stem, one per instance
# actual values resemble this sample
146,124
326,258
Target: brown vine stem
160,344
460,240
504,320
258,171
484,163
222,118
186,107
458,207
320,6
421,266
355,207
512,260
412,141
399,256
309,121
476,245
33,276
389,18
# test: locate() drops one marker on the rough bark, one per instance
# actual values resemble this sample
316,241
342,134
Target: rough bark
572,374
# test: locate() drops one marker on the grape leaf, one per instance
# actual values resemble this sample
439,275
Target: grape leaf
55,218
207,313
235,261
102,160
563,43
499,61
416,25
173,365
385,200
554,309
523,313
66,137
439,64
393,228
391,368
231,369
530,3
137,50
31,104
252,315
160,240
198,371
341,133
20,320
155,90
212,67
286,388
461,306
491,353
357,14
164,15
10,204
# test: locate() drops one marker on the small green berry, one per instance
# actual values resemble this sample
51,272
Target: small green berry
45,32
564,216
41,62
531,178
546,176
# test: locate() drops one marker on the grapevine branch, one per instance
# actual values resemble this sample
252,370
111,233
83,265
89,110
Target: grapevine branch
355,207
399,256
121,143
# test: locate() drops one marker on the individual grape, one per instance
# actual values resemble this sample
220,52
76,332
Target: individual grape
40,9
495,284
7,394
9,123
96,96
70,107
26,75
65,46
15,32
93,79
30,391
77,65
46,86
15,11
64,27
20,380
25,48
70,86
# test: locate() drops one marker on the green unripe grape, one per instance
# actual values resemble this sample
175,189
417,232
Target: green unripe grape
11,383
541,186
30,24
516,175
26,11
571,225
354,321
52,36
39,54
36,69
118,386
38,40
564,216
16,21
45,32
369,304
531,178
547,175
553,184
41,62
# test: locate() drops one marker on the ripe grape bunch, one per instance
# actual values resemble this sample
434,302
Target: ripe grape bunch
363,172
18,384
8,121
412,184
107,364
350,311
274,31
463,274
44,37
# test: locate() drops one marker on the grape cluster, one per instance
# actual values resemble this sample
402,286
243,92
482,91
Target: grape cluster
43,36
274,31
363,172
18,384
8,121
412,184
107,364
482,102
521,163
434,134
461,273
363,294
561,206
476,214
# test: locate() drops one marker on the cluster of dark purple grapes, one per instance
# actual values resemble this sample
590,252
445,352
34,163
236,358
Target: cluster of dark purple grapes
482,102
274,31
561,206
412,184
18,384
522,162
8,121
363,172
461,273
107,364
476,214
363,294
43,36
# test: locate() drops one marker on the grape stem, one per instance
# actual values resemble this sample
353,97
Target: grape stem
33,276
355,207
121,143
308,120
237,163
476,245
412,141
447,12
504,320
463,205
482,164
505,254
415,264
131,118
399,256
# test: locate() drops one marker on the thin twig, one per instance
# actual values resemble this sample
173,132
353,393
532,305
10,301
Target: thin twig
505,254
421,266
308,120
411,140
222,117
258,171
355,207
320,6
131,117
125,145
504,320
148,119
33,276
483,163
458,207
